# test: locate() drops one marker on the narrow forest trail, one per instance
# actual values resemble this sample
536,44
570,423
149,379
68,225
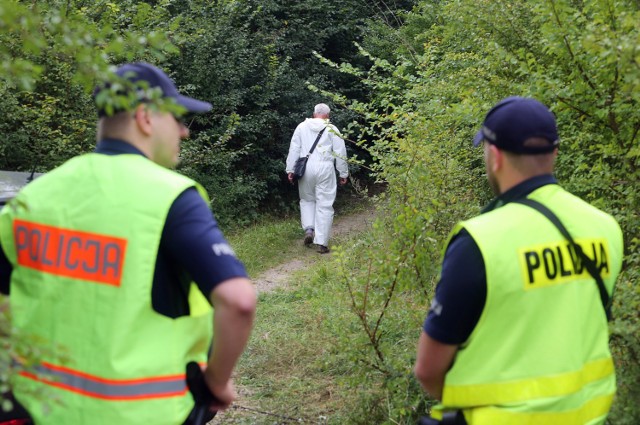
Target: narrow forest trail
279,277
343,227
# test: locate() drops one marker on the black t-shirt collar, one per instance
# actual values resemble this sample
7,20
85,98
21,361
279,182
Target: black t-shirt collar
519,191
116,147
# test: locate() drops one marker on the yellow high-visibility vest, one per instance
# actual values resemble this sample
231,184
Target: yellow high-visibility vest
539,353
83,241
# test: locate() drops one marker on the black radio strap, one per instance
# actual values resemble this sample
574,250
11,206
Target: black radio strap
588,263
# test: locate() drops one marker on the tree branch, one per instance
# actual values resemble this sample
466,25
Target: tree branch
565,38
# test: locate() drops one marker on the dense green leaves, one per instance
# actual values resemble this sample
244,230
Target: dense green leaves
410,94
253,60
52,55
580,58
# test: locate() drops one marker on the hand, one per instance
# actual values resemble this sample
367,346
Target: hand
225,393
290,177
343,181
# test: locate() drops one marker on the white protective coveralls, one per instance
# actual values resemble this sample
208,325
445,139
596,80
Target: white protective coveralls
318,186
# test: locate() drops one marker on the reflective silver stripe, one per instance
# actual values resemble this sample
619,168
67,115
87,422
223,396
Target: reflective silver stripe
154,387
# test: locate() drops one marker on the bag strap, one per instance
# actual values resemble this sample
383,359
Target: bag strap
589,264
316,142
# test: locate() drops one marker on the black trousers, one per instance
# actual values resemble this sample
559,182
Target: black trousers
18,412
449,418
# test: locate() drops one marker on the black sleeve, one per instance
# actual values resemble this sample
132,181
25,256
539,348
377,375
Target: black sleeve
192,247
192,239
460,294
5,273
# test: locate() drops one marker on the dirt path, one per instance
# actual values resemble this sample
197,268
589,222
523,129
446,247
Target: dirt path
280,276
342,227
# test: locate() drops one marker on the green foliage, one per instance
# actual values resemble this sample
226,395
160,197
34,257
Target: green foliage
40,130
409,94
381,343
234,197
590,71
581,58
65,33
625,345
20,353
52,54
252,60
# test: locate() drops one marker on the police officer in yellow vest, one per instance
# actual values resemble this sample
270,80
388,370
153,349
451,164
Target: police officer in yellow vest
517,331
115,262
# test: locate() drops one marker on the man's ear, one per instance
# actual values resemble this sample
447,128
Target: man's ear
497,158
142,117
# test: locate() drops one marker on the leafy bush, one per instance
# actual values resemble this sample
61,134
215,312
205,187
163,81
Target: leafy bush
427,108
234,197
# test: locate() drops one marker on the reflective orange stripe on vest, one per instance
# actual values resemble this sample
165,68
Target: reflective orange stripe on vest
109,389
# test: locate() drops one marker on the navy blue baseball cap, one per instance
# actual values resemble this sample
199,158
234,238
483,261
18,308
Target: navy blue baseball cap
514,120
156,78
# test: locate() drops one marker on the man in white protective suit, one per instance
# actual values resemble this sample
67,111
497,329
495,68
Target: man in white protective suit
317,188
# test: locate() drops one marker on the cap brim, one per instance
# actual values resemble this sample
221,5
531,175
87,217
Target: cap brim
478,139
193,105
